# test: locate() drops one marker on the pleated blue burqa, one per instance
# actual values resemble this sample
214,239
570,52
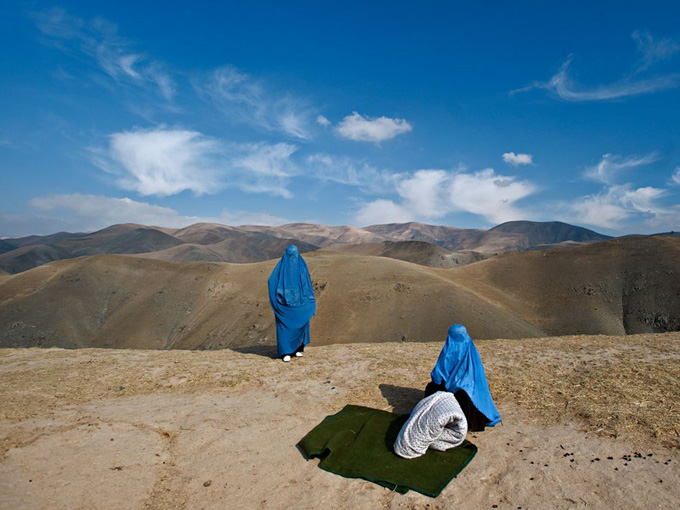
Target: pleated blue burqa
459,367
292,298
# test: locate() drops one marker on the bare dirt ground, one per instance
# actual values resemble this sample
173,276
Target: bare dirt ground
588,422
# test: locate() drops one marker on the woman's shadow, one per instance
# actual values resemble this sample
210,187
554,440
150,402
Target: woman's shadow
402,399
267,351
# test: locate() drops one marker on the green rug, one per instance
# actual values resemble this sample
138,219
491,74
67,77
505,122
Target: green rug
357,443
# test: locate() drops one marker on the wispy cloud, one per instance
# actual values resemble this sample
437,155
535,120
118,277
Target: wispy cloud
611,165
322,121
383,211
517,159
675,178
165,162
351,172
78,212
367,129
433,194
96,211
652,51
99,40
243,99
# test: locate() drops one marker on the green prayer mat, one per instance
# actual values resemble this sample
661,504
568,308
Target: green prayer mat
357,443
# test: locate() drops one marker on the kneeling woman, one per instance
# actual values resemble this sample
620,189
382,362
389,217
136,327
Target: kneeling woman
292,299
459,371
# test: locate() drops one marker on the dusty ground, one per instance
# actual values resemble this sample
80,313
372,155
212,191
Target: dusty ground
589,422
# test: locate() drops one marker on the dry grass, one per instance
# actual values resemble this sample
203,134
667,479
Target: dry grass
610,385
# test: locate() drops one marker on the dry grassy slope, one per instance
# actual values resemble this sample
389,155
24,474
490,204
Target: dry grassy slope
27,257
417,252
628,285
318,235
118,301
240,248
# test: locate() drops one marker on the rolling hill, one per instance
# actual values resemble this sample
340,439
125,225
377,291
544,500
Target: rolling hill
417,252
249,243
617,287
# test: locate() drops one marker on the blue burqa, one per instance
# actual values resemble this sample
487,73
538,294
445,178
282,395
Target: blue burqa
459,367
292,298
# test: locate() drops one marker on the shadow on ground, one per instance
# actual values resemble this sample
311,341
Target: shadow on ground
267,351
402,399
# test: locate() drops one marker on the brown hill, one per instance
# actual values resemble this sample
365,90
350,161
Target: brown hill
252,243
454,239
204,233
550,232
5,246
30,256
239,248
627,285
114,301
617,287
319,235
417,252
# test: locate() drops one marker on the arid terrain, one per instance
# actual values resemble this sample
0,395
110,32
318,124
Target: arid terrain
129,381
213,242
588,422
617,287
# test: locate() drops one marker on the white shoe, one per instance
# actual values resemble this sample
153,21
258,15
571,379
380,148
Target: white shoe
298,354
286,358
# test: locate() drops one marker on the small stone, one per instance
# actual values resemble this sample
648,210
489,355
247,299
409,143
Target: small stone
207,484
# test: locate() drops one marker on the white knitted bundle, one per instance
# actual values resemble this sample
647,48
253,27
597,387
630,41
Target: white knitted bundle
436,422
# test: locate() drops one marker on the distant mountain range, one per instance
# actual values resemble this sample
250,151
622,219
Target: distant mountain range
211,242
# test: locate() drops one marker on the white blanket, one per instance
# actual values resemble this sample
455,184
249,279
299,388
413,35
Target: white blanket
436,422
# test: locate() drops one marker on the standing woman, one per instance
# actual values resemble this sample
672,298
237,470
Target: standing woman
292,298
459,370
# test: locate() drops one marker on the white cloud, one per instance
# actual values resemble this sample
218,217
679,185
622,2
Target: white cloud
351,172
616,205
383,211
425,194
675,178
243,99
165,162
611,165
490,195
653,50
99,40
264,168
78,212
517,159
565,88
366,129
92,212
431,194
323,121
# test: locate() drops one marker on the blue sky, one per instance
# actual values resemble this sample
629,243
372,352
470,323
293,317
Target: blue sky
467,114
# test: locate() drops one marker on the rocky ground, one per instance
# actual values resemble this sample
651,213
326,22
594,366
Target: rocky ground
588,422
